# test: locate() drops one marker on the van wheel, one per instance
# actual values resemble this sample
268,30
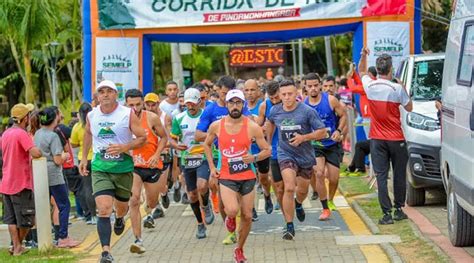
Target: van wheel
460,222
415,196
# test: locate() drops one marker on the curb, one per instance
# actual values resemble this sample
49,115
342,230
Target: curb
387,247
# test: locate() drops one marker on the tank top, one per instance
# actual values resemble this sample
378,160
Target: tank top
254,112
144,153
268,107
232,147
327,115
106,129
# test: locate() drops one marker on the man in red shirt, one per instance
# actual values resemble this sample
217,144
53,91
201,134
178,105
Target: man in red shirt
17,182
387,143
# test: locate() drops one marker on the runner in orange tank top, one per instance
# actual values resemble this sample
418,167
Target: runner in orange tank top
148,167
237,174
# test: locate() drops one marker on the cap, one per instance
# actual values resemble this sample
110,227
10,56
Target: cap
20,110
192,95
107,84
234,93
153,97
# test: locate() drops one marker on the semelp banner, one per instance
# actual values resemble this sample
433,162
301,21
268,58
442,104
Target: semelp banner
129,14
116,59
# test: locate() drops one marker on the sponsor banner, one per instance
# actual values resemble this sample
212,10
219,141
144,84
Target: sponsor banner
392,38
116,59
257,56
125,14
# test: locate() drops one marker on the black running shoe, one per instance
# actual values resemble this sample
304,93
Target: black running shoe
158,213
288,235
386,220
149,222
268,204
184,199
165,200
315,196
119,226
300,214
177,194
254,215
106,257
398,215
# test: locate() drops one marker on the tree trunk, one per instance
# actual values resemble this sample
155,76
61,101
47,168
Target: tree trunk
72,70
29,92
17,60
226,63
48,72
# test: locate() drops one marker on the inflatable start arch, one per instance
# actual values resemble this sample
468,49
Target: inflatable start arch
118,33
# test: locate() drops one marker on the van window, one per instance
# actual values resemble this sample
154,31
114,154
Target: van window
467,56
427,78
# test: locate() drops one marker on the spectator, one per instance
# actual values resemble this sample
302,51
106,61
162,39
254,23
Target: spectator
387,144
50,145
269,74
357,165
17,182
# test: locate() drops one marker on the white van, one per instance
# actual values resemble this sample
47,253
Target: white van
422,76
457,125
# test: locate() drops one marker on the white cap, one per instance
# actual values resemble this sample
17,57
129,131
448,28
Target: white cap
192,95
107,84
235,93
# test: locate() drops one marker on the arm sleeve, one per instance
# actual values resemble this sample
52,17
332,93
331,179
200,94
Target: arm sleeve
25,141
56,146
175,128
205,120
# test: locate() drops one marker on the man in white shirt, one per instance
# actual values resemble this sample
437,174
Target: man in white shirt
171,102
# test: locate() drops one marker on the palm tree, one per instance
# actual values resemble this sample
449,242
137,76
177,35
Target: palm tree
26,25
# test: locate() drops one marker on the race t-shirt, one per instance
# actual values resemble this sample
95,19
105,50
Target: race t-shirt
77,138
385,98
167,107
301,120
254,112
16,168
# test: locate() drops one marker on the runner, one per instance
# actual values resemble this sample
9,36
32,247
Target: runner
152,102
109,131
212,113
237,174
196,172
252,92
272,89
148,168
297,125
327,151
16,185
171,102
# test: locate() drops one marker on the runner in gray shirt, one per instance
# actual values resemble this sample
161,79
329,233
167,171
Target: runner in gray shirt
297,124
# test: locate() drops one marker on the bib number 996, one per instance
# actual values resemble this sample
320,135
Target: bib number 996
237,165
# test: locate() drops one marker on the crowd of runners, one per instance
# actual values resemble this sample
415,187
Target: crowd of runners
279,136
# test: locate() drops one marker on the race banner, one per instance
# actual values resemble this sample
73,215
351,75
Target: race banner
129,14
117,60
257,56
392,38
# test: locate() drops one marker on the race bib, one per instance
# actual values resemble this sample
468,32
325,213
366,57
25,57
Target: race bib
106,157
288,132
193,161
237,165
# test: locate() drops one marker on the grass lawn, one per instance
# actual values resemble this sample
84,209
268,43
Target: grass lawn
55,255
412,248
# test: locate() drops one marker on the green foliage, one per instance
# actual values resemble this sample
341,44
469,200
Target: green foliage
435,31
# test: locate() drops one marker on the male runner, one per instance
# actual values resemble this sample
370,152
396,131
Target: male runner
297,125
327,151
272,89
110,128
251,92
152,102
214,112
237,172
196,172
171,102
148,167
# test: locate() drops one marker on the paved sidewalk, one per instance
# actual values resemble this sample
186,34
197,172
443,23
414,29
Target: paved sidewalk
174,239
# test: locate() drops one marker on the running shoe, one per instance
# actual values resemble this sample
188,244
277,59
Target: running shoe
208,214
177,193
137,247
92,221
119,226
149,222
331,205
158,212
287,235
277,206
315,196
230,224
230,239
386,219
300,214
325,215
268,204
254,215
201,231
184,199
106,257
239,256
398,215
215,202
165,200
